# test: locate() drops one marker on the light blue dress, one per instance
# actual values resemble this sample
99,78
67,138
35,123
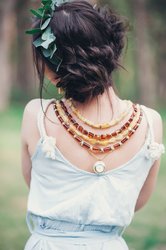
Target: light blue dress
72,209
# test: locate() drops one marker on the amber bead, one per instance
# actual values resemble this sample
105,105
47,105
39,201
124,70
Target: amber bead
85,132
72,120
118,131
127,124
130,133
123,127
71,132
109,136
124,140
80,128
64,108
78,139
66,126
114,134
91,135
103,137
107,149
86,145
56,112
60,118
130,120
117,145
96,149
135,127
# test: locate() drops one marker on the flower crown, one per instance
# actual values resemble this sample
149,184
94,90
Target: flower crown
46,39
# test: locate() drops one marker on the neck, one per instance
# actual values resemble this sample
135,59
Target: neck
108,97
104,106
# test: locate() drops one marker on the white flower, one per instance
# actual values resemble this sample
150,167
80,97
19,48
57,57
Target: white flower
155,150
48,147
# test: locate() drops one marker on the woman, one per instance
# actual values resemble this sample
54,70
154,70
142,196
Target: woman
97,156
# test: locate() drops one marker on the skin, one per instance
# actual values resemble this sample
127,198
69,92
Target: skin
91,110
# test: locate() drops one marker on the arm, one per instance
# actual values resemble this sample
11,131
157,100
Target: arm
26,163
151,180
29,131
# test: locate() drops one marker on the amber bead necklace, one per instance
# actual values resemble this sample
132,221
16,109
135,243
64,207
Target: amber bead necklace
96,136
104,125
99,166
96,149
118,135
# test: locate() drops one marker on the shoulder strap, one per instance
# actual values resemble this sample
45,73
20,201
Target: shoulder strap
149,121
41,115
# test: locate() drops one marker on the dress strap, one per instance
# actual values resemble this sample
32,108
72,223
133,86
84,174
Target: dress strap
41,116
150,122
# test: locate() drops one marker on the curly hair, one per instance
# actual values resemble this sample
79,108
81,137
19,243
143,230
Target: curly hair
90,42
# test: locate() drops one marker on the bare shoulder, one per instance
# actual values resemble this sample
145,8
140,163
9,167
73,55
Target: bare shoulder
32,106
29,120
157,124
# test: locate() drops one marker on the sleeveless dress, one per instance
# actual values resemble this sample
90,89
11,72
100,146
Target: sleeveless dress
73,209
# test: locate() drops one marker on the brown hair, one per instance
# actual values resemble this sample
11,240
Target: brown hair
90,42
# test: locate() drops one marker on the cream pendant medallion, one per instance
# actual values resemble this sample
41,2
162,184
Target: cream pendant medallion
99,167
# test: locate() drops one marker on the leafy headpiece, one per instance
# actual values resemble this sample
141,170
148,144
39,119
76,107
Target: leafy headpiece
46,39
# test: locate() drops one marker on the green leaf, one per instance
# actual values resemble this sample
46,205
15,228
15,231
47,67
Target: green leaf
45,24
46,33
41,10
47,7
37,43
46,2
33,31
47,43
46,52
37,13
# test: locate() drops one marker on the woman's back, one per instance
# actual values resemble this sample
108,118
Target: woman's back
71,198
71,149
91,159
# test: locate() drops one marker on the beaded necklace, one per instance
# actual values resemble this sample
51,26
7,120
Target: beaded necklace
99,166
104,140
86,145
104,125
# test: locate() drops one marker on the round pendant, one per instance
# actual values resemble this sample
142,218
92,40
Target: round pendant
99,167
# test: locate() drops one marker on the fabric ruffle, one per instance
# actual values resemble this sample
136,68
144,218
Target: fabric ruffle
48,147
155,150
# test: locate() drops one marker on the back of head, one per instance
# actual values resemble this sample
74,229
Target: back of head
89,41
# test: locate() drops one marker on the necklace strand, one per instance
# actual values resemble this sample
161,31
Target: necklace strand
104,125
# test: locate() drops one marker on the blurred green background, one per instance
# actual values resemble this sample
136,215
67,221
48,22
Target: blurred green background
143,81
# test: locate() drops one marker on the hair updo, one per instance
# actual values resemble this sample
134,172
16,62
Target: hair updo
90,42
